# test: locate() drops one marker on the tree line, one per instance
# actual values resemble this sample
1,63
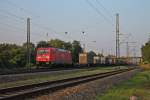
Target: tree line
146,52
12,55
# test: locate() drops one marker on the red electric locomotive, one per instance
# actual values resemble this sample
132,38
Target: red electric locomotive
52,55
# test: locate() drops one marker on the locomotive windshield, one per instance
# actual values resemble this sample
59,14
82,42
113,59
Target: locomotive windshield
42,51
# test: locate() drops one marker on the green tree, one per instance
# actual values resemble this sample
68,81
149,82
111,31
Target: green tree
146,52
92,53
60,44
32,52
76,49
31,45
42,44
11,56
100,55
57,43
68,46
18,57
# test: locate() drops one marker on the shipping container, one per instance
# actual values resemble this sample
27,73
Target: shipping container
85,58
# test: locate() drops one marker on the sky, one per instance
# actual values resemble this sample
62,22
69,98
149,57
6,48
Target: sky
96,18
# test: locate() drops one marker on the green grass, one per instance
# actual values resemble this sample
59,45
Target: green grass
138,86
56,76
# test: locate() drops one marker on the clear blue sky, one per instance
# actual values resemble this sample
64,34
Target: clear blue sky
55,17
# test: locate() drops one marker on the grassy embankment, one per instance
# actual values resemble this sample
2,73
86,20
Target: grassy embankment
56,76
145,66
137,87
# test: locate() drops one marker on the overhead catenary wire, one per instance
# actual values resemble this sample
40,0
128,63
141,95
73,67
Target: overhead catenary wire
17,18
35,24
43,27
11,14
14,27
106,10
9,30
22,19
99,12
21,8
29,12
7,17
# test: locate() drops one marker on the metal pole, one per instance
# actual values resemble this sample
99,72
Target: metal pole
28,42
127,49
84,47
117,37
47,36
83,41
127,43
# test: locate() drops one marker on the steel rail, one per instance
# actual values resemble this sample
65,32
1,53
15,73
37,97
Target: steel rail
14,93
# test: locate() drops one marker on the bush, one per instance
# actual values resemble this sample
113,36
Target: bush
12,56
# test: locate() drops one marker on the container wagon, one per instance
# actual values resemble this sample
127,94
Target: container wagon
85,59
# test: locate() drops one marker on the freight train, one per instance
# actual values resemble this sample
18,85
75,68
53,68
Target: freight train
87,59
55,56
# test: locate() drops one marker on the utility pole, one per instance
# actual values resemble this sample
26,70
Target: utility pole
117,37
47,36
128,49
128,53
134,58
127,43
28,42
84,47
83,42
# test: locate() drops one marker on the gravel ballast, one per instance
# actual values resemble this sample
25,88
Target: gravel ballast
88,91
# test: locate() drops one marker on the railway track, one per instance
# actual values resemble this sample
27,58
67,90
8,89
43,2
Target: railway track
28,71
20,92
47,69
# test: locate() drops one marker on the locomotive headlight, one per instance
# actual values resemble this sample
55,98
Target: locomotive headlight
47,57
38,57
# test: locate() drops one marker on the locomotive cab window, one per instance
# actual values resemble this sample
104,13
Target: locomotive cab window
42,51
